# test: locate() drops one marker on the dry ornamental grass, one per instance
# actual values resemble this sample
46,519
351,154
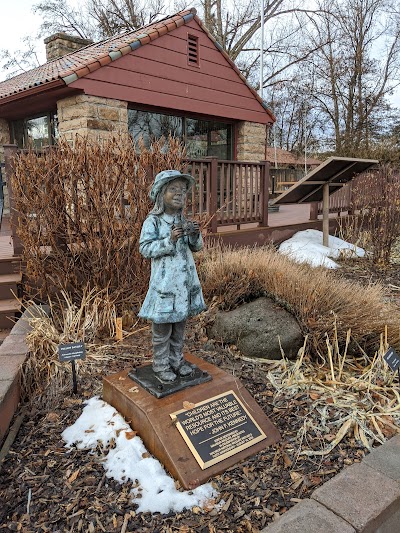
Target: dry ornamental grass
322,303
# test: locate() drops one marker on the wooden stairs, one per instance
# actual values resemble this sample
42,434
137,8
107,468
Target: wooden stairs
10,281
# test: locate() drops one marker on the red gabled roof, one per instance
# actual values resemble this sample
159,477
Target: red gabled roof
69,68
76,64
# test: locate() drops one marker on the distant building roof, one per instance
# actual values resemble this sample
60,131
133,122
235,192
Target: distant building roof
284,157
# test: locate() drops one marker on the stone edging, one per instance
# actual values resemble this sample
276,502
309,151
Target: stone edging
13,353
364,497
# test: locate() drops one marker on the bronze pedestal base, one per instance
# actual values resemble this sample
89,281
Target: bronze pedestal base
144,376
150,417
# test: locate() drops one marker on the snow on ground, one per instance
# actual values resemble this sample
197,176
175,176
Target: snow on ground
306,247
128,459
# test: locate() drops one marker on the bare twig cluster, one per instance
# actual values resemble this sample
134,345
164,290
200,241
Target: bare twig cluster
338,408
81,209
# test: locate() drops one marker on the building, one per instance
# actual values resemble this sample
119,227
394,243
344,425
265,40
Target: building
168,77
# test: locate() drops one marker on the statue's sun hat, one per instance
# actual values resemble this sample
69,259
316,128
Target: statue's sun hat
165,177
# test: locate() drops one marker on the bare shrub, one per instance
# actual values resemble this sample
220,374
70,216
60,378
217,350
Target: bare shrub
322,303
81,209
377,196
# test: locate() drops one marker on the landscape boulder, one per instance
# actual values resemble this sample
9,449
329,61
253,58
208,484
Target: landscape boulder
259,329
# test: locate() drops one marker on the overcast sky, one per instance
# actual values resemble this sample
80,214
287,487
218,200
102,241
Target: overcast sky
17,21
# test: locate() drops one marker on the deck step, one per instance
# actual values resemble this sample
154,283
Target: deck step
10,265
10,305
8,279
10,286
8,311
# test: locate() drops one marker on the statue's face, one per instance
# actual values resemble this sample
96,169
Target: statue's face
175,196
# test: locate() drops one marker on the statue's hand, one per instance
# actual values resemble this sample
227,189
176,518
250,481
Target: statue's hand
196,227
176,233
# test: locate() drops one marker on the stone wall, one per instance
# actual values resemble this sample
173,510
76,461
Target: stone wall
91,116
251,141
4,137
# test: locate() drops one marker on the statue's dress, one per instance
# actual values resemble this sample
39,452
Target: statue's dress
174,291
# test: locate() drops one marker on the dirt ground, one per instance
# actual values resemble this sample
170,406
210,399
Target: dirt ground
40,489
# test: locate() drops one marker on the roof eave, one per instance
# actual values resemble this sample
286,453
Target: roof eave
53,84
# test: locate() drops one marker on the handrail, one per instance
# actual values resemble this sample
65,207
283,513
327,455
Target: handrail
229,192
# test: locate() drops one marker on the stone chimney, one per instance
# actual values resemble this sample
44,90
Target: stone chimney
59,44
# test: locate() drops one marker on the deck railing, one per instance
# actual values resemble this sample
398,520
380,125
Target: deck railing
350,198
340,201
282,179
229,192
226,192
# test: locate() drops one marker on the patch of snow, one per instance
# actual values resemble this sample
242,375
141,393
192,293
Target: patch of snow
128,459
306,247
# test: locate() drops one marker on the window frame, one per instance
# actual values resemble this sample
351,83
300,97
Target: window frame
51,119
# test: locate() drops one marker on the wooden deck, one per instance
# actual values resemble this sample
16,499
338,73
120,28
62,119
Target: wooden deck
282,225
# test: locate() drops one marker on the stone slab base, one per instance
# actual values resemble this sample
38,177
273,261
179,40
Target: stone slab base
150,417
145,377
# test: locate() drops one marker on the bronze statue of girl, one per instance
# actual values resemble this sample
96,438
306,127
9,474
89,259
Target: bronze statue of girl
174,293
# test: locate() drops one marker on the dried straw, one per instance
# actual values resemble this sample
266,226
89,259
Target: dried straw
350,397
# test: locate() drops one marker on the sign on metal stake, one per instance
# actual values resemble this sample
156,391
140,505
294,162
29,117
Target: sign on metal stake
393,360
70,353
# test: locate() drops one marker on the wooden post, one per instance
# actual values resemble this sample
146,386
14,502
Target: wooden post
264,192
351,207
118,328
10,151
214,194
325,215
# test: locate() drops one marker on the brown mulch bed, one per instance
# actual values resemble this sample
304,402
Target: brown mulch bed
66,490
47,487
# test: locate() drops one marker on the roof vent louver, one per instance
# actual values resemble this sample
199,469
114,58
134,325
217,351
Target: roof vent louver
193,50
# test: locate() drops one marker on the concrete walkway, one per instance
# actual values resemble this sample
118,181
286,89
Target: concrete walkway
364,497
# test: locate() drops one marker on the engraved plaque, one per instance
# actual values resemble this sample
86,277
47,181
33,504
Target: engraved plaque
217,428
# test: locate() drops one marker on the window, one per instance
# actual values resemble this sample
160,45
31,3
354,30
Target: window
208,138
202,138
35,132
193,50
151,126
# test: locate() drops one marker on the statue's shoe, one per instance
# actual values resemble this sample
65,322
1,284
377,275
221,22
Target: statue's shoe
184,370
167,376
